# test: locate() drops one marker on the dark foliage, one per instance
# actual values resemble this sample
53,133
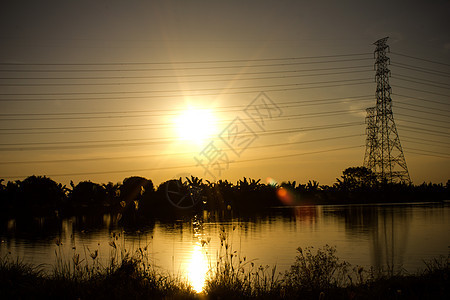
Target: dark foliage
137,200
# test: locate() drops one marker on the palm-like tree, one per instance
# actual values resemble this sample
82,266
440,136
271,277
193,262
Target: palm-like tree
312,186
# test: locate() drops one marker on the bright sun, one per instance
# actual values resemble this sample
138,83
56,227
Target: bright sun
195,125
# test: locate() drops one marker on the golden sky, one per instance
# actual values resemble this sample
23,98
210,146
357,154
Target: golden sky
105,90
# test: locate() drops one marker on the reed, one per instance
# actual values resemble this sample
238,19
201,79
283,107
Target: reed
315,274
234,276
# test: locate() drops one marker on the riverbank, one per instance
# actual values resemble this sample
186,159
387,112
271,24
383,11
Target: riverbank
315,274
137,199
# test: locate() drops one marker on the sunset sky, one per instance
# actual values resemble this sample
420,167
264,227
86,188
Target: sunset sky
104,90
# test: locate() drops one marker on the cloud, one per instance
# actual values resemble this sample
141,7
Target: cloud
357,109
296,137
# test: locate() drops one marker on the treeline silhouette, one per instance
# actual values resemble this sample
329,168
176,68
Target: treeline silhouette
137,198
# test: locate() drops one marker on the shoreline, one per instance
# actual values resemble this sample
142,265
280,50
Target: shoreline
313,275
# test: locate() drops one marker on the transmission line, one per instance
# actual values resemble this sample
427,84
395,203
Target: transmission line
420,82
228,108
126,127
175,154
432,152
418,141
421,118
422,99
419,79
421,69
421,131
421,111
420,123
182,90
139,142
190,166
281,118
422,59
181,68
241,73
182,62
419,90
226,92
174,82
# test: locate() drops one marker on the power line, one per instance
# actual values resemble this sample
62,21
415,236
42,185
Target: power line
189,166
422,59
425,154
170,139
193,153
146,97
421,111
422,99
421,69
426,124
432,152
421,106
427,130
241,73
169,125
174,82
134,127
420,79
228,108
140,142
419,82
182,62
438,144
421,118
421,131
182,90
427,140
419,90
180,68
173,154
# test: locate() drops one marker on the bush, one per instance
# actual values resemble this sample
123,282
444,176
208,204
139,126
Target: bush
317,272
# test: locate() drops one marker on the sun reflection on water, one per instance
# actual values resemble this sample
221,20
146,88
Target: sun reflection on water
198,268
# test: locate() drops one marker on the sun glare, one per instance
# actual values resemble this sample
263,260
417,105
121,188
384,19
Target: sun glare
195,125
197,268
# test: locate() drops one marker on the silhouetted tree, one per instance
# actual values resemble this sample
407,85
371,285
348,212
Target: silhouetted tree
312,186
88,196
136,193
40,194
356,179
112,194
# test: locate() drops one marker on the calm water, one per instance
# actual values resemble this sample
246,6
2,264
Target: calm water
401,236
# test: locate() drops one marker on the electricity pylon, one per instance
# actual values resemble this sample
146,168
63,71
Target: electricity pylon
384,154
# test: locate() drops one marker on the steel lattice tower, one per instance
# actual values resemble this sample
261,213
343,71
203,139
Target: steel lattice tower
384,154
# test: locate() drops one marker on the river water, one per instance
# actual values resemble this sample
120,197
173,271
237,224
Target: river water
394,236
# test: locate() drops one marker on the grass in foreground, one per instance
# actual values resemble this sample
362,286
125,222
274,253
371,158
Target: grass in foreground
314,275
125,281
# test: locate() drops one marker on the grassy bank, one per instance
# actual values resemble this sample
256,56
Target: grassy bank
314,274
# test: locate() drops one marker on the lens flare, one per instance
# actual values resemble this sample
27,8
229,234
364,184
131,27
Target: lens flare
285,196
271,181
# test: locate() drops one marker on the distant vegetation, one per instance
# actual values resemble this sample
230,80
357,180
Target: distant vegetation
137,197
